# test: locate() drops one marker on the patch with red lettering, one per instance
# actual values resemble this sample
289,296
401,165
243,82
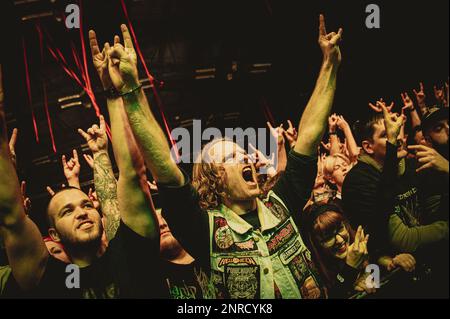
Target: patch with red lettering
281,237
249,261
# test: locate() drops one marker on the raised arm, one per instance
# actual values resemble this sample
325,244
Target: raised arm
335,143
421,99
408,106
104,180
27,254
71,169
352,147
146,129
133,194
314,118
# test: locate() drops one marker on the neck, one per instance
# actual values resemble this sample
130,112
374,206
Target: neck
181,257
83,255
241,207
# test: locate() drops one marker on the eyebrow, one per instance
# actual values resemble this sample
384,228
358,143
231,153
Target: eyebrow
69,205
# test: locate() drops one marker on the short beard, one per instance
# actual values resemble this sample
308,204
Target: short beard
91,245
171,251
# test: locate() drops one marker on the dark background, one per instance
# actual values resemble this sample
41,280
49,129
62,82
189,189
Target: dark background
178,36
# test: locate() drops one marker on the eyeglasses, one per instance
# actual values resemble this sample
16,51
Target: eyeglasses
330,241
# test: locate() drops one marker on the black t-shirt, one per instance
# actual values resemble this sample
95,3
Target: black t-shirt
435,195
252,218
190,225
128,269
368,198
186,281
344,281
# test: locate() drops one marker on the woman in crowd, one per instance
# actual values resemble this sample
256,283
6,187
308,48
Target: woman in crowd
340,253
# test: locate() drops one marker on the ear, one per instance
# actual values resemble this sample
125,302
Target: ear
367,147
54,235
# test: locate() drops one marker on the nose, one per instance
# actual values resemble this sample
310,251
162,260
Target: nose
339,239
162,222
80,213
163,225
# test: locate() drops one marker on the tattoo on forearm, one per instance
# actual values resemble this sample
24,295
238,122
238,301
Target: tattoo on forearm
106,188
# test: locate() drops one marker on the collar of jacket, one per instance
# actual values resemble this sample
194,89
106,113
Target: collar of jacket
363,157
240,226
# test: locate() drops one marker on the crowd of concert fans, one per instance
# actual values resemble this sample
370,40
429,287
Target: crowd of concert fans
346,211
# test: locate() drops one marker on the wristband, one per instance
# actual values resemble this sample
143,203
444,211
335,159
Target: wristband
332,133
122,94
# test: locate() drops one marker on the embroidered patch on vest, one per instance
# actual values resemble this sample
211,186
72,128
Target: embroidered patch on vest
237,260
286,255
224,241
277,209
246,245
224,237
282,236
242,282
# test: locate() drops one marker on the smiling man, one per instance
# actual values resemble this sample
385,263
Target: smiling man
253,247
75,223
127,268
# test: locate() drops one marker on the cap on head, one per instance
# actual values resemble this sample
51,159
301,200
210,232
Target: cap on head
433,115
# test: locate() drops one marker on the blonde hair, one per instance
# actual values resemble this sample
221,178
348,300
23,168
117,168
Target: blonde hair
329,162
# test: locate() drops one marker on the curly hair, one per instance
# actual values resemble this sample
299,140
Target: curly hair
207,179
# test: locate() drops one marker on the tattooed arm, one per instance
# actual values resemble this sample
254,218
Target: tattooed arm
132,189
148,133
133,195
104,180
106,189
